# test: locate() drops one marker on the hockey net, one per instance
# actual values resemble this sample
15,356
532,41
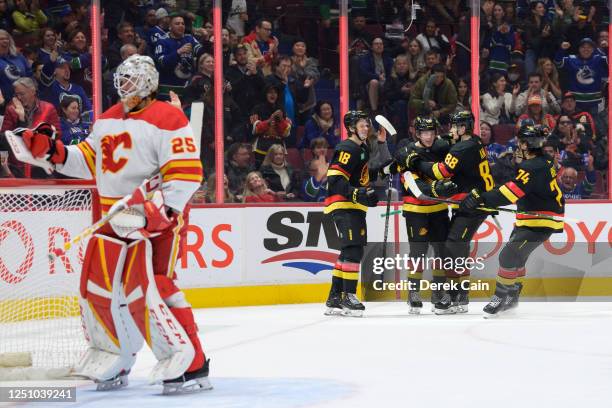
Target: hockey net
40,326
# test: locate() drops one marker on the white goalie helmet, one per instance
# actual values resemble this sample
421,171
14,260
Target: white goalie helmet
136,76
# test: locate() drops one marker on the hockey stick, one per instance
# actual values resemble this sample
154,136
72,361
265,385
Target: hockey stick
389,187
125,202
414,188
384,122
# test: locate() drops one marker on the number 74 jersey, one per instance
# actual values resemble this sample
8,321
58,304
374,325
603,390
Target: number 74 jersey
533,189
123,150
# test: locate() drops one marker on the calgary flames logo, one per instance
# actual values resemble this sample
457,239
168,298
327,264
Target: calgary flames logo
109,144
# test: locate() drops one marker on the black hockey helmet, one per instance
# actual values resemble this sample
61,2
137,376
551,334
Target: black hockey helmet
352,117
424,123
464,118
533,136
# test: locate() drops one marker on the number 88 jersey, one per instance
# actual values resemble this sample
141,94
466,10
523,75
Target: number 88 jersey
466,164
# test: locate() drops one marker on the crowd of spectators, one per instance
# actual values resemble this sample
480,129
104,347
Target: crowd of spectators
544,61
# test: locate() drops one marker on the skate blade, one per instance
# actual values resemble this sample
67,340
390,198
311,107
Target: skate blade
332,311
450,310
490,316
461,308
352,313
414,310
113,384
188,387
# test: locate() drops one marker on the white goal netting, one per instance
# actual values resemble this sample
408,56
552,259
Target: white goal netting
39,311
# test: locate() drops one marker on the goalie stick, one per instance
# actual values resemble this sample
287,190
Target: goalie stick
414,188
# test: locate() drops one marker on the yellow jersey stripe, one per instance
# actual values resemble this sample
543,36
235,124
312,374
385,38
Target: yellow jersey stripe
180,163
508,194
336,173
183,177
344,205
425,209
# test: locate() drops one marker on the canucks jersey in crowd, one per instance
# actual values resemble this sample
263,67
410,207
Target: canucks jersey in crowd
175,70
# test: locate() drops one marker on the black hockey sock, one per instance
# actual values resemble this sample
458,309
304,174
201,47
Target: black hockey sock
350,285
337,285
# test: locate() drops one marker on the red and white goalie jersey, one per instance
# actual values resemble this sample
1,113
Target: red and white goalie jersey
124,149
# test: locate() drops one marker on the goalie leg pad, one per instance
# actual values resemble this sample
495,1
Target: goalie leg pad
181,309
109,329
162,331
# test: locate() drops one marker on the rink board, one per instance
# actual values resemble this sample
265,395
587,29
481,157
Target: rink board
255,255
265,255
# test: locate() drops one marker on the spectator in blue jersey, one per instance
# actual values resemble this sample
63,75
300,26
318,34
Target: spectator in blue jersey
49,50
149,21
175,57
494,150
568,182
78,55
500,46
61,87
314,186
125,35
159,30
74,130
586,74
13,65
6,18
322,124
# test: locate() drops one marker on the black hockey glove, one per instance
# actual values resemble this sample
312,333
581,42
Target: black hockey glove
365,196
408,158
471,202
443,188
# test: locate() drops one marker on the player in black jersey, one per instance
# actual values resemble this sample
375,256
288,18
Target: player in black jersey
348,197
534,189
427,221
467,166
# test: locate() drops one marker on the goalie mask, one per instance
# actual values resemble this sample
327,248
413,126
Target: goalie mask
351,118
135,79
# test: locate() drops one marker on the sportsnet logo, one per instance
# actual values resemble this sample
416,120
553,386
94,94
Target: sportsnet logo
287,229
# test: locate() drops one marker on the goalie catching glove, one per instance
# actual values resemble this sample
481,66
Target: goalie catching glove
43,143
365,196
143,218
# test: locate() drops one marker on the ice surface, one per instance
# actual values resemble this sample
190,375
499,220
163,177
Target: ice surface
545,355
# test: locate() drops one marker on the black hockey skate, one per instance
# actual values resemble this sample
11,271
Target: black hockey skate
118,381
513,296
334,304
499,302
351,306
190,382
444,305
461,301
415,302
